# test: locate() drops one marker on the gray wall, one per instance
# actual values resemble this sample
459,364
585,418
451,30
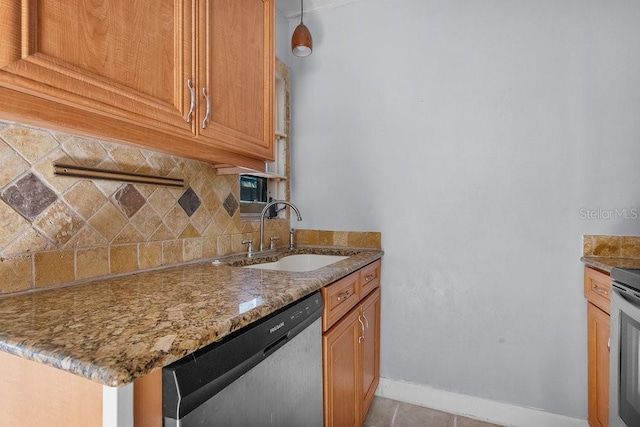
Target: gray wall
472,133
283,39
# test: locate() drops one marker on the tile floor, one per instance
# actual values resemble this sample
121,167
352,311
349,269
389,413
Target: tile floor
391,413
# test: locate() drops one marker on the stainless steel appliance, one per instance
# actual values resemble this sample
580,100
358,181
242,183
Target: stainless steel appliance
624,372
266,374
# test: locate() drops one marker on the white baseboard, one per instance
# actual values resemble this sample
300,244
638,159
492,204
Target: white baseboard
473,407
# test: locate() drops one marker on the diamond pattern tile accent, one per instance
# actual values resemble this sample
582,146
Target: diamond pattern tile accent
176,220
12,164
146,221
31,143
231,204
107,187
30,241
162,201
108,221
189,168
189,232
12,224
57,229
86,198
130,200
44,168
161,164
29,196
129,235
189,201
200,219
87,237
85,151
200,184
128,159
59,223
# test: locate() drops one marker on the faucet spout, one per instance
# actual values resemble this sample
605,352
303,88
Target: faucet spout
264,212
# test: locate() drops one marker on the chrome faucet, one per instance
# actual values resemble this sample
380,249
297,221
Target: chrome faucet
264,211
249,248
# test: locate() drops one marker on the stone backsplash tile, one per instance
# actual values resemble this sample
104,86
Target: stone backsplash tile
129,200
13,224
92,262
29,196
57,229
16,273
355,239
611,246
189,202
12,164
630,247
53,267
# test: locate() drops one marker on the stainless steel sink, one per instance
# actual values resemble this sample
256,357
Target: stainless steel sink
300,263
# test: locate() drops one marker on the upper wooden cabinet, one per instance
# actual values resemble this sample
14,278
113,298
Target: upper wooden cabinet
113,57
146,72
236,68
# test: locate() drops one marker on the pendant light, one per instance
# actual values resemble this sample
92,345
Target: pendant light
301,42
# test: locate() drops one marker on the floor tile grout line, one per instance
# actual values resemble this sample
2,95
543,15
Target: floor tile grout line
395,413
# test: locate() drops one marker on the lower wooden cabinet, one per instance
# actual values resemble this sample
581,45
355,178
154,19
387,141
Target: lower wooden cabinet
351,359
35,394
147,400
598,356
341,376
597,289
370,350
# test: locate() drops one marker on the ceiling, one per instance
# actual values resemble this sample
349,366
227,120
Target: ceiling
291,8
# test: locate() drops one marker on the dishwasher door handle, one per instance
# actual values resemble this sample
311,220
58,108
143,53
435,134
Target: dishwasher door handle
271,348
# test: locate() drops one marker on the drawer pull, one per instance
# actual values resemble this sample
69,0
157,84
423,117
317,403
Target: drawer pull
369,277
599,290
344,295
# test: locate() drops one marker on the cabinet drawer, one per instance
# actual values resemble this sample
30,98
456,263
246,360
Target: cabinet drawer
339,298
369,278
597,289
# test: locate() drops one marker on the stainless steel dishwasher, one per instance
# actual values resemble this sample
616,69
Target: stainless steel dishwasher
266,374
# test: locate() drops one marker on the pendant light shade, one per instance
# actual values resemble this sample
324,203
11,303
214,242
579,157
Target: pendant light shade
301,41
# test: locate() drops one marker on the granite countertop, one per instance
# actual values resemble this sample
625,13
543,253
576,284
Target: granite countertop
607,263
115,331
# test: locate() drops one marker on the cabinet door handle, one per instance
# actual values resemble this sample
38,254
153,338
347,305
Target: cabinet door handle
192,105
369,277
207,113
366,321
361,337
599,290
344,295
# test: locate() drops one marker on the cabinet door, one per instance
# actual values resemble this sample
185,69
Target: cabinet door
237,74
341,373
598,360
370,348
118,58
